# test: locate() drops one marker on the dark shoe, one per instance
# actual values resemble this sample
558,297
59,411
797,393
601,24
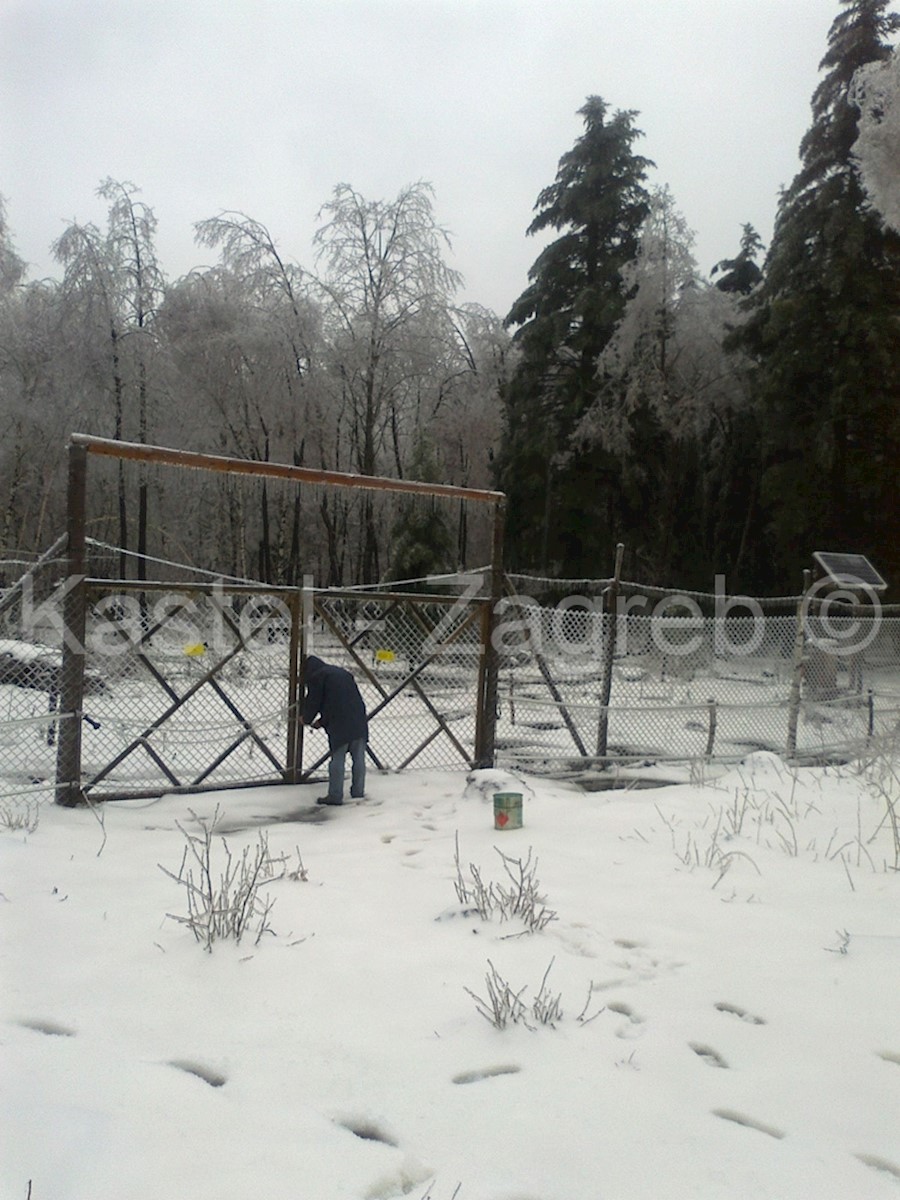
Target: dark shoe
352,797
329,800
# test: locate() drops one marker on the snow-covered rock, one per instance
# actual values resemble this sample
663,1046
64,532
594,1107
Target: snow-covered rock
483,783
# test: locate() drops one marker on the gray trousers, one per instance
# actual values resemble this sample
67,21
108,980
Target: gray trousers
336,768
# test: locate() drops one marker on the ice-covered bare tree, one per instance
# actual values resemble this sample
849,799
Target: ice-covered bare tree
249,251
876,91
387,296
253,355
639,367
114,281
465,416
12,267
669,397
36,400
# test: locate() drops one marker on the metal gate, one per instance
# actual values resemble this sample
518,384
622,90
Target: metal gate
421,663
186,688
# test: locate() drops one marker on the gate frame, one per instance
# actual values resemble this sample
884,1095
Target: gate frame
68,790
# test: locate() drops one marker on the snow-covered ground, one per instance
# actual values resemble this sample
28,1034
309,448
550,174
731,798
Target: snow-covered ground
725,955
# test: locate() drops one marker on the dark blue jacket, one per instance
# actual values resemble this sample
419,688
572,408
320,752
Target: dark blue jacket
332,695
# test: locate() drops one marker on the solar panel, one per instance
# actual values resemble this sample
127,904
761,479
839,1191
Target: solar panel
849,570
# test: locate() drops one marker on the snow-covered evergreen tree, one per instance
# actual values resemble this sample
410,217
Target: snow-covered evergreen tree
558,512
824,333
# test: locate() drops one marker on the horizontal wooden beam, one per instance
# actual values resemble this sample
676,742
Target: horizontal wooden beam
165,456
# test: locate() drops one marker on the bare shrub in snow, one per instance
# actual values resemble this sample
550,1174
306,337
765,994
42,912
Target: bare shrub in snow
503,1006
223,898
703,848
519,898
20,815
546,1008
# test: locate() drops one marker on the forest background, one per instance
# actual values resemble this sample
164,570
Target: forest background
729,425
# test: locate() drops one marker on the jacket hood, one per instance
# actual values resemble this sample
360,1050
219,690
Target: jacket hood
314,666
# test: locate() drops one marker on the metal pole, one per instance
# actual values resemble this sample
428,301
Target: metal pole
711,735
71,690
797,675
609,646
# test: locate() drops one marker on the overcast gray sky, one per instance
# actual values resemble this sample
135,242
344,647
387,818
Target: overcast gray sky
263,106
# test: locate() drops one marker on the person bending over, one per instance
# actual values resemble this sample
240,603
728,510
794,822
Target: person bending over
334,703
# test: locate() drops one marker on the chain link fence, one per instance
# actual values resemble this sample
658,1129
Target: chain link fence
188,687
30,673
645,684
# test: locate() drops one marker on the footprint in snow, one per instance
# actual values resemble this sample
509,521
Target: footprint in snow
486,1073
633,1029
880,1164
729,1114
711,1057
208,1074
366,1128
51,1028
741,1013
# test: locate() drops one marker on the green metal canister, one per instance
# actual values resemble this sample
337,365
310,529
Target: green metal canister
507,810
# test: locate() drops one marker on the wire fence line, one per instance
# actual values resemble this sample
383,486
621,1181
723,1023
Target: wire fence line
666,682
188,686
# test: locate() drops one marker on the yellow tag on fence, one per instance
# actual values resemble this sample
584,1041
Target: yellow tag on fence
384,656
195,650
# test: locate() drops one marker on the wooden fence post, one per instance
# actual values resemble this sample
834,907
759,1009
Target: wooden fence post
489,673
293,750
71,684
